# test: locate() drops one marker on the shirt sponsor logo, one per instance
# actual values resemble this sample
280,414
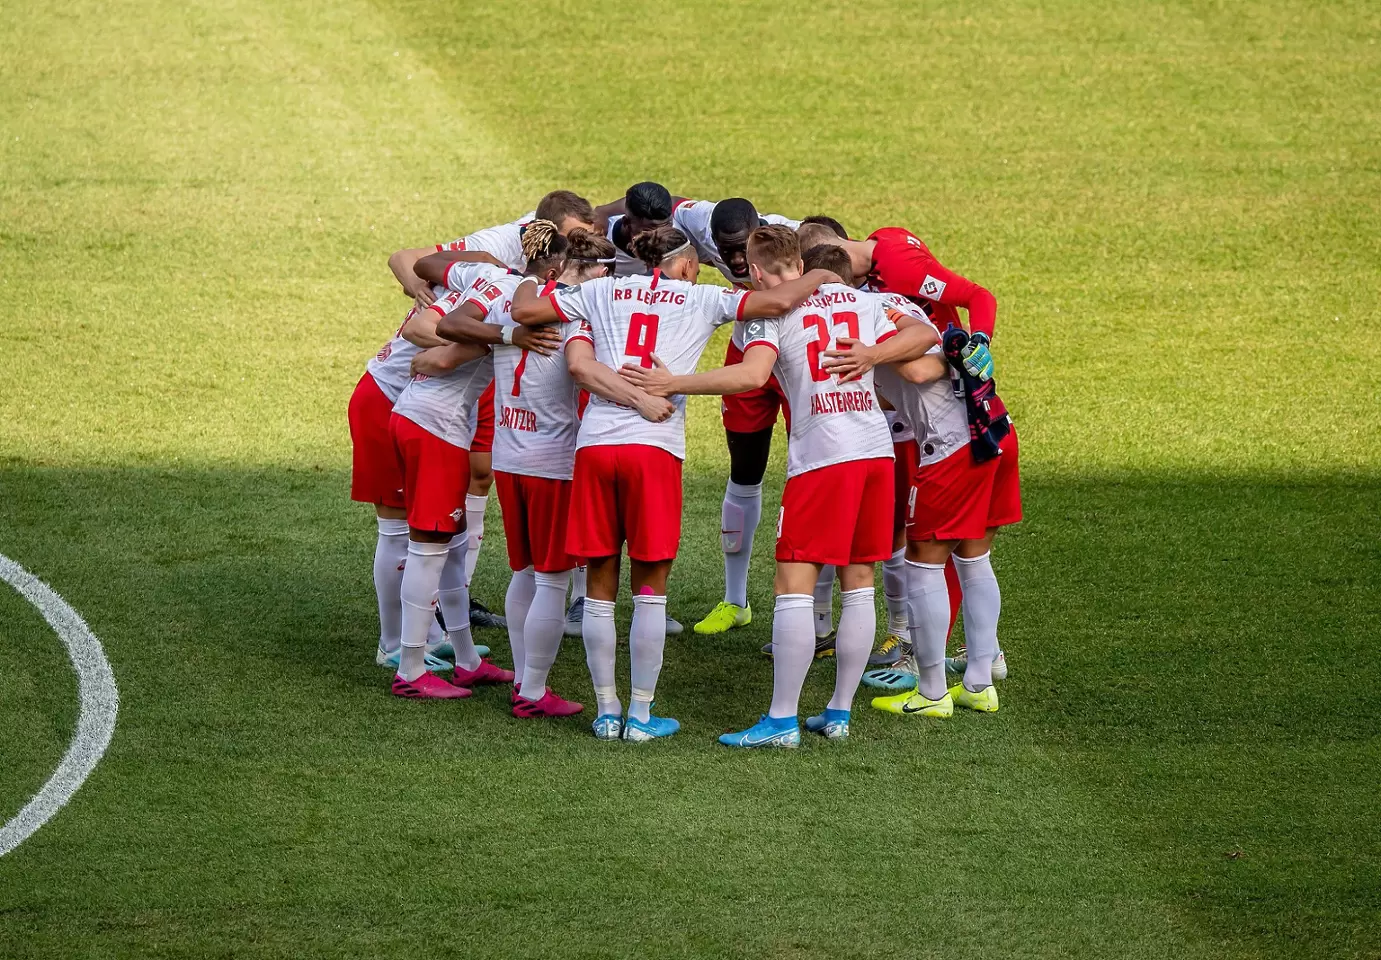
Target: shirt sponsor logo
932,288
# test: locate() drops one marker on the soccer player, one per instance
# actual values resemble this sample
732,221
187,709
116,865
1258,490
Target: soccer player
720,232
837,505
432,427
376,477
627,481
534,455
956,506
646,206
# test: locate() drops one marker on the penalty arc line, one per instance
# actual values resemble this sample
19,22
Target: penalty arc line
100,701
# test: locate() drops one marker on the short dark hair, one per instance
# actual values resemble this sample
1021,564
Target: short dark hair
774,246
652,246
826,256
830,222
735,215
648,201
560,204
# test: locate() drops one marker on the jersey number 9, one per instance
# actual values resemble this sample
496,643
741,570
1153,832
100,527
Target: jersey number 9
642,338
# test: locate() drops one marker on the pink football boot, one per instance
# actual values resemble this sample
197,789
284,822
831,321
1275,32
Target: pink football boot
486,672
550,705
428,687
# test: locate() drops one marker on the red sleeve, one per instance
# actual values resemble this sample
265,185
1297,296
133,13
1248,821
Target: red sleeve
913,271
559,312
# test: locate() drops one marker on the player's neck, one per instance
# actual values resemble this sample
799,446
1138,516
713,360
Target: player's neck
861,255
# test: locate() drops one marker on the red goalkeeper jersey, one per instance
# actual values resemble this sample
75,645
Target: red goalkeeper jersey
903,264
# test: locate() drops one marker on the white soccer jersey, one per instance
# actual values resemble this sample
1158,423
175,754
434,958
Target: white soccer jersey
444,406
692,217
625,264
933,410
391,367
504,241
628,319
461,276
831,422
536,413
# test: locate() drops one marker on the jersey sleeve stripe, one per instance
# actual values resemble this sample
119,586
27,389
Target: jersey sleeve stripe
484,308
436,309
559,312
887,335
742,302
581,336
762,343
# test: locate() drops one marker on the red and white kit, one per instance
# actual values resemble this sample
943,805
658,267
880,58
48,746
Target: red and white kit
692,217
904,265
627,482
375,475
432,428
504,242
535,411
950,496
838,502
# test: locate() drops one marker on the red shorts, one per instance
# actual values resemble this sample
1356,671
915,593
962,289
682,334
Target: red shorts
375,475
627,493
535,512
484,422
839,514
756,409
906,454
957,499
436,475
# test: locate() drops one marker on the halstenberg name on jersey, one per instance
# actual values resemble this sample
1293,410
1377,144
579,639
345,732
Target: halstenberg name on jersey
841,401
649,296
516,418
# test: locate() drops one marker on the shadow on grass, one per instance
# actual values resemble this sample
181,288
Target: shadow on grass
1191,712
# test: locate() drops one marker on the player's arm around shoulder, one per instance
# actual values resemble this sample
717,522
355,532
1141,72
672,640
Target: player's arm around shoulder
901,338
750,373
784,297
436,267
586,370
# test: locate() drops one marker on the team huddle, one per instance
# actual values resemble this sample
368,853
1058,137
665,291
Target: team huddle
552,356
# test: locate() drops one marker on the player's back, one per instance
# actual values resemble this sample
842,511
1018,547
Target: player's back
504,241
628,320
831,422
536,413
391,367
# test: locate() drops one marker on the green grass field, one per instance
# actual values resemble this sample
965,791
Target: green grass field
1178,206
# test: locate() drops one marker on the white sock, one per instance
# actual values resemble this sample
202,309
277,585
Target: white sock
982,606
928,600
546,620
597,629
435,635
421,577
894,590
647,638
577,583
738,522
474,526
793,649
390,556
453,596
858,621
521,589
824,602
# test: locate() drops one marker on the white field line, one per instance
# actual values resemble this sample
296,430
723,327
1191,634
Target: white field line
95,689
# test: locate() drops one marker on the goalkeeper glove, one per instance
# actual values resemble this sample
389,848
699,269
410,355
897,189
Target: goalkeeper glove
978,359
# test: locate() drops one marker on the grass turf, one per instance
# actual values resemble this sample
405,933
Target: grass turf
1175,206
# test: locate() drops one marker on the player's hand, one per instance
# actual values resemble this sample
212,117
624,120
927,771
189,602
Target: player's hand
654,381
849,360
978,359
432,362
655,409
420,291
544,340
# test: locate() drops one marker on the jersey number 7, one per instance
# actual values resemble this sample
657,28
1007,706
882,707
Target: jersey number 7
815,350
518,374
642,338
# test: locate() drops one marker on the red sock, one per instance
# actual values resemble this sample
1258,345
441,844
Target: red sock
956,595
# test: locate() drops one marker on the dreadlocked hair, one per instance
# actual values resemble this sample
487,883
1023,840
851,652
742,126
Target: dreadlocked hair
652,246
543,245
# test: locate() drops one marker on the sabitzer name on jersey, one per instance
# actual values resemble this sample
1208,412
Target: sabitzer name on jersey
516,418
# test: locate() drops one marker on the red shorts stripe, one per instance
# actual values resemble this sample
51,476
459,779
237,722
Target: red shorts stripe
484,422
957,499
839,514
753,410
436,475
536,513
906,453
629,493
375,474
